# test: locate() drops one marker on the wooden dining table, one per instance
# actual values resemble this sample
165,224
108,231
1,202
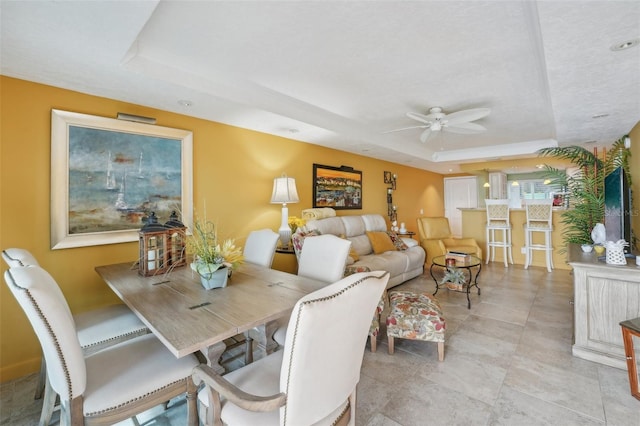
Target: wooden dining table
187,318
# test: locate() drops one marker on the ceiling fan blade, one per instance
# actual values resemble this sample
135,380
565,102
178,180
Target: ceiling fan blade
425,135
420,117
464,128
405,128
467,115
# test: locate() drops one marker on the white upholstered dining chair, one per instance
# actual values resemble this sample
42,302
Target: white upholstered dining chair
313,379
323,258
96,329
260,247
108,386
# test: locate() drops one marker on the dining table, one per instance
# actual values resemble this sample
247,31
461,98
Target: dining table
189,319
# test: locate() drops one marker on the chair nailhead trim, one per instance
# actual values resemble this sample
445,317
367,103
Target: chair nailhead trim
119,406
51,333
309,302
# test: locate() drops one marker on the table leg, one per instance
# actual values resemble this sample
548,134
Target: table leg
434,278
263,335
627,337
213,354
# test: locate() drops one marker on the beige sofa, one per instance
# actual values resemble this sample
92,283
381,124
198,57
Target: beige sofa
401,264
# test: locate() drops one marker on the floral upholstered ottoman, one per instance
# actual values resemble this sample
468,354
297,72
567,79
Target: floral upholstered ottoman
415,316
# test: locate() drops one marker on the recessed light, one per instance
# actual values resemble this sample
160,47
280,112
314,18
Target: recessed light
591,141
600,115
185,103
539,166
625,44
293,131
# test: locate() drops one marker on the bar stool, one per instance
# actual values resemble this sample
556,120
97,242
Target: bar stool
539,218
631,328
498,220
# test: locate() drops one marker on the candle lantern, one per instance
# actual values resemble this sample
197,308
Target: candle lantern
154,257
176,241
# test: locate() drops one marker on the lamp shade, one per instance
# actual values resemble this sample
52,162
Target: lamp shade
284,190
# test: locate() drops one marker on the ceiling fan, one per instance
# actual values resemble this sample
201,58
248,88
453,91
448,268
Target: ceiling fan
456,122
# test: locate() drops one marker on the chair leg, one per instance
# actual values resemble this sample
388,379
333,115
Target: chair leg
440,351
527,250
488,246
374,342
504,247
48,404
510,245
42,379
390,339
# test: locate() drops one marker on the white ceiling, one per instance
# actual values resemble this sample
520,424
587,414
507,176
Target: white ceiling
341,73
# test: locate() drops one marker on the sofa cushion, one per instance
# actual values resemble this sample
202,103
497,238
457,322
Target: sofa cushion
353,225
361,244
374,222
380,241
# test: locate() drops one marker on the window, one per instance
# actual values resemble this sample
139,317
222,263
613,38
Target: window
532,189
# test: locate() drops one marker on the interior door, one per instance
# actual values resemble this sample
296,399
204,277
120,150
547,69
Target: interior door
459,192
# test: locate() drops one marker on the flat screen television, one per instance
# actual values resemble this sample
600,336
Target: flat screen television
617,207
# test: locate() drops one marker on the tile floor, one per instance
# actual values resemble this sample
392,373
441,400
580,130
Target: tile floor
507,362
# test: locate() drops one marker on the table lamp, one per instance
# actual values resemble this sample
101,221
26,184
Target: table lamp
284,191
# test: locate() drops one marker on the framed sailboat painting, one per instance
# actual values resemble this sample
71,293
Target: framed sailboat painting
107,175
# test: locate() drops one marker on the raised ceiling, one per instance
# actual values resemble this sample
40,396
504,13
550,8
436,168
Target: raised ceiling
342,73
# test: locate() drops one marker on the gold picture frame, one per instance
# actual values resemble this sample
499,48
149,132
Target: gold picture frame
107,175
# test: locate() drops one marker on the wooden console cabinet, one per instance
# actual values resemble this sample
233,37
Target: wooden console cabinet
604,295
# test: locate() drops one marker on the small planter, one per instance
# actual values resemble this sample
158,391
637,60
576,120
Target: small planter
212,276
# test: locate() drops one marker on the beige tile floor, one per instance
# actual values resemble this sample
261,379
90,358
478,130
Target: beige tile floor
507,362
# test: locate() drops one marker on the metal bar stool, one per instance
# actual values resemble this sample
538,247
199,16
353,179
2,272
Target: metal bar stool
631,328
539,217
498,220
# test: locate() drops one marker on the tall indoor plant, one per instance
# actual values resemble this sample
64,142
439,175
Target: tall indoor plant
585,187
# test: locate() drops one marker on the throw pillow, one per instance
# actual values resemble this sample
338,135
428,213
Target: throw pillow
380,242
397,241
297,239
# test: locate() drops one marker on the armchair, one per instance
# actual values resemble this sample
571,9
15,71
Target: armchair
436,239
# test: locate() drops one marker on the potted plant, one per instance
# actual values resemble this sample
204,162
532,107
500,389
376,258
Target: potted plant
454,278
585,187
213,260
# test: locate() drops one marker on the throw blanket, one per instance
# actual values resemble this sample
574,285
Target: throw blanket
318,213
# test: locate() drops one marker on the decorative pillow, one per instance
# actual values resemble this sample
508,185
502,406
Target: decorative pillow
397,241
380,241
354,257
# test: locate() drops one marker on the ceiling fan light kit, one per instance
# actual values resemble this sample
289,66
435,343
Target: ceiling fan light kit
456,122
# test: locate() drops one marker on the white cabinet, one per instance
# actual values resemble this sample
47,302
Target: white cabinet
498,186
604,295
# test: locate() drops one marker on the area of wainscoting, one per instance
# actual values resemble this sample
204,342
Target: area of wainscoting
507,362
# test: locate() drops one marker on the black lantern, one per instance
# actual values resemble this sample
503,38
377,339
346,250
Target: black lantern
176,241
154,256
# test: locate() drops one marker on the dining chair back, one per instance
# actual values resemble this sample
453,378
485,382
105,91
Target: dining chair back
110,385
539,220
96,329
260,247
324,257
313,379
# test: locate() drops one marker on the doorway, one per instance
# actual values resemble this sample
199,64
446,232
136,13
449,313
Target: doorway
459,192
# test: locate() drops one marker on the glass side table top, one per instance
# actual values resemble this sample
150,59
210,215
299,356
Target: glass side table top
441,261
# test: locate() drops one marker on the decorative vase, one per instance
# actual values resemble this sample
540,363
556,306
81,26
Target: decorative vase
212,276
599,234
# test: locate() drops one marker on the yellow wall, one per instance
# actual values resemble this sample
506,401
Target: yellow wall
233,170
